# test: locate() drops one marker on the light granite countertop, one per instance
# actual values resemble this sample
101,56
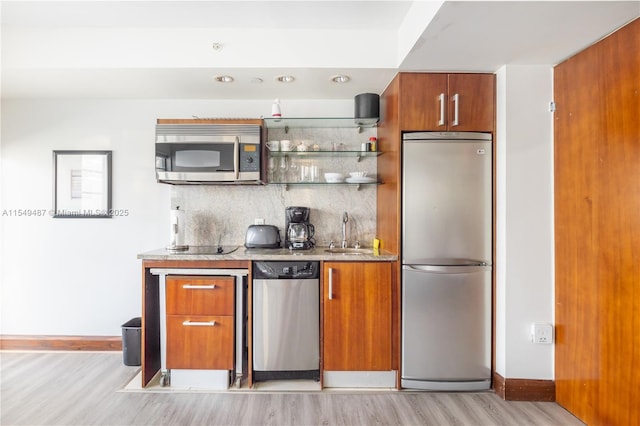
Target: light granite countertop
242,253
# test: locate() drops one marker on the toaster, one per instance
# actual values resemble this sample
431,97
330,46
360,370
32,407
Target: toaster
262,236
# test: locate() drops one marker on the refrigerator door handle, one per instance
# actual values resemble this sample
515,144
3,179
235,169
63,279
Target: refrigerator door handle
448,269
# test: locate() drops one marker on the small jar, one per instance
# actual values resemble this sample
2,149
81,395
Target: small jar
373,141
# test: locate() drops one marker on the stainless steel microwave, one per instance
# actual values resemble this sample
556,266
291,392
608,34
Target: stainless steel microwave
208,153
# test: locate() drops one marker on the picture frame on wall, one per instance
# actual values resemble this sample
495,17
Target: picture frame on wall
82,184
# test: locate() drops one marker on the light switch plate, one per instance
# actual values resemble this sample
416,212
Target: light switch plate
542,333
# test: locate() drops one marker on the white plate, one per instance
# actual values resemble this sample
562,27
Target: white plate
361,179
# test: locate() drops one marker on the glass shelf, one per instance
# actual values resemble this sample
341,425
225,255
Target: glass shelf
315,122
357,185
325,153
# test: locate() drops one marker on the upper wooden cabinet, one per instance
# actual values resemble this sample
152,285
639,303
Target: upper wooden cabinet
446,102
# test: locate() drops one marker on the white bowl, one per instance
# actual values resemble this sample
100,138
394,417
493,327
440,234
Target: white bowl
358,174
333,177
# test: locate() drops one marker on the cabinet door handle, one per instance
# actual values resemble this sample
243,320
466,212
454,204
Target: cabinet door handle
442,104
199,287
199,323
330,283
456,109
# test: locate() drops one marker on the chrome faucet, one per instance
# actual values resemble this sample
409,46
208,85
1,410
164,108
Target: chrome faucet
345,219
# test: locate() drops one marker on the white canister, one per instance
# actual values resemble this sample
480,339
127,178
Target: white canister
275,109
177,230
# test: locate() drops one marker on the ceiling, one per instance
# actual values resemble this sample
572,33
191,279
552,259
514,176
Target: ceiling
174,49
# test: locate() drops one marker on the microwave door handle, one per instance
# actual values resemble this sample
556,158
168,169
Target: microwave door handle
236,157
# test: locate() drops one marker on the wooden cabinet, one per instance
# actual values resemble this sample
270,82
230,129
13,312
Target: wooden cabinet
200,322
597,230
357,321
447,102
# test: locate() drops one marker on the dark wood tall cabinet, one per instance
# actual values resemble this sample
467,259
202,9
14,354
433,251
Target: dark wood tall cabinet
413,102
597,230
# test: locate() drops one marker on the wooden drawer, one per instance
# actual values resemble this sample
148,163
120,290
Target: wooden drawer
197,295
200,342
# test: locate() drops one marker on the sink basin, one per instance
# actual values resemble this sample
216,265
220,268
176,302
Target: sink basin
348,251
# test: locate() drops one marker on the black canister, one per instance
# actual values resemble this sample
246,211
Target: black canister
367,108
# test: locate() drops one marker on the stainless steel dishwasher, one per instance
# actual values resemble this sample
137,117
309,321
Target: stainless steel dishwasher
286,320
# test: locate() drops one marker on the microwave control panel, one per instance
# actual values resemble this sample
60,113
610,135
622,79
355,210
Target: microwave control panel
249,157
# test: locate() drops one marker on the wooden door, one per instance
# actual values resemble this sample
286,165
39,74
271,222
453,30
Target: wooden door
423,101
357,316
473,95
597,230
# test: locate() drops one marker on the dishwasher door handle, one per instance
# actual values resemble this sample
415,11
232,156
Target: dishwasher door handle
330,283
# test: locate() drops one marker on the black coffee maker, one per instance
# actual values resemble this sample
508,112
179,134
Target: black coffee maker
299,232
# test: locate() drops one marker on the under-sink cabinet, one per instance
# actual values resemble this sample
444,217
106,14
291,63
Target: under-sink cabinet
357,316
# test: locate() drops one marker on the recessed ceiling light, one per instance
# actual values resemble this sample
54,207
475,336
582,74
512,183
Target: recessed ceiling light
216,46
223,79
285,78
340,78
256,80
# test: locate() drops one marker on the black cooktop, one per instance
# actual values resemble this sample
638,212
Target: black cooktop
206,250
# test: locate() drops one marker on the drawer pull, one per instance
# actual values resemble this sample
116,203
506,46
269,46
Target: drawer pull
199,323
199,287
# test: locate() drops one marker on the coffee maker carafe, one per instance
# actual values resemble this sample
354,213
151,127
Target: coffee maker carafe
299,232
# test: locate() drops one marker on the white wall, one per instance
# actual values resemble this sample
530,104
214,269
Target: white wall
81,276
524,249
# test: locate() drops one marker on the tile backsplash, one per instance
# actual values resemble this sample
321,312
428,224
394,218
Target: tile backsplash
220,214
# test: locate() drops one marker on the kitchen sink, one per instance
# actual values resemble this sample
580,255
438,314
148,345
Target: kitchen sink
348,251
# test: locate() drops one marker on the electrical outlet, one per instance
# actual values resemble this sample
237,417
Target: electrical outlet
541,333
258,221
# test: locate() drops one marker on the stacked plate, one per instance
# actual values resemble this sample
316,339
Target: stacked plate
360,177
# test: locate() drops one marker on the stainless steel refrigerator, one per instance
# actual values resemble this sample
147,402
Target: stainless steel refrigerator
446,260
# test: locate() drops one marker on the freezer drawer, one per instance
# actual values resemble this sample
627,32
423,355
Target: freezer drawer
446,327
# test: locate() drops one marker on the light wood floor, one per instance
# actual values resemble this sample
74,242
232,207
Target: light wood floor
81,388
